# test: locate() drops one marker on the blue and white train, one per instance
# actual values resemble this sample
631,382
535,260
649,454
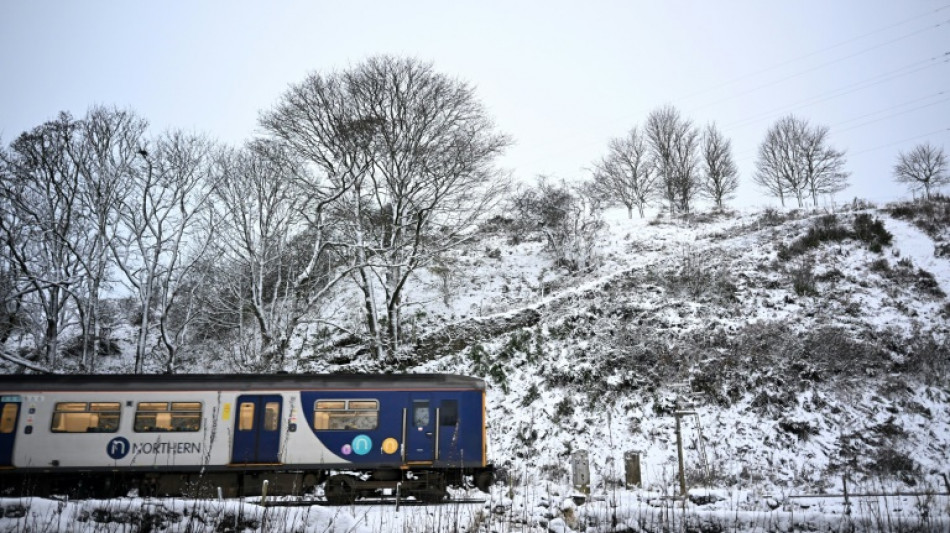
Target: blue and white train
358,435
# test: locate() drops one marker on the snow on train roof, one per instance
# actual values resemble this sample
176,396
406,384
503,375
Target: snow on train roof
89,382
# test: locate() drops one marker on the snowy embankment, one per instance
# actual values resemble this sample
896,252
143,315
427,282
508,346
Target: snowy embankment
913,243
540,508
798,390
179,515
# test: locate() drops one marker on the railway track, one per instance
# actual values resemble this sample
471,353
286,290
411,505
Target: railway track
365,502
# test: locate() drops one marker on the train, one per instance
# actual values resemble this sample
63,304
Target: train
233,435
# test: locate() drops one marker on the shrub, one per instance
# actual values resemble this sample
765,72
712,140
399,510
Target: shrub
927,283
564,408
479,359
498,375
824,229
872,231
888,461
532,395
803,278
879,265
73,347
800,428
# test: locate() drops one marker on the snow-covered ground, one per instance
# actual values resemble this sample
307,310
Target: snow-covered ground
796,391
544,507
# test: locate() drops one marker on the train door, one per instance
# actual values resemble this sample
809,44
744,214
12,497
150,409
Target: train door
257,429
9,414
420,433
447,432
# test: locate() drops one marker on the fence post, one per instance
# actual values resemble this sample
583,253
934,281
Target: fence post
679,455
581,469
631,460
847,503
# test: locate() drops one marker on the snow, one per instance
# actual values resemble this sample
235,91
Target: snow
911,242
776,449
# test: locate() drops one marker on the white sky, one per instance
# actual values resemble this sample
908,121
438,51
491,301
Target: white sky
561,78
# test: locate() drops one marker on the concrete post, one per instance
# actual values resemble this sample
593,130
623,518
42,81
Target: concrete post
580,467
631,461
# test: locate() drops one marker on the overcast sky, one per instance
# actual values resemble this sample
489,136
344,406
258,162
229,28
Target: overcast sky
562,78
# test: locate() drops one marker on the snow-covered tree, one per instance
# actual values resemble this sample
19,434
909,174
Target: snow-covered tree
796,160
720,178
674,145
924,167
627,174
414,150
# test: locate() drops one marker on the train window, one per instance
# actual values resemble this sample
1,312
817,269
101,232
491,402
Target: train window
164,417
345,414
246,416
8,417
82,417
420,413
271,416
449,413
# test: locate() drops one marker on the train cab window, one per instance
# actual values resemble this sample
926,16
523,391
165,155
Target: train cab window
345,414
271,416
8,417
165,417
83,417
420,413
448,412
246,416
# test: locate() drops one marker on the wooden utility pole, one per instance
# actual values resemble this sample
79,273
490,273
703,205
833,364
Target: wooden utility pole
679,454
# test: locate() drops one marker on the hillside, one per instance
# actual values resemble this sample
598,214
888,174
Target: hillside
809,348
812,346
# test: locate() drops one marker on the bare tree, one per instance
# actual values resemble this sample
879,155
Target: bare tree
106,158
924,167
159,240
776,168
720,178
674,144
823,165
627,173
321,121
570,229
686,175
40,223
277,240
795,160
415,149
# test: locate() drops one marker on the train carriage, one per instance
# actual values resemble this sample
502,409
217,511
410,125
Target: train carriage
359,435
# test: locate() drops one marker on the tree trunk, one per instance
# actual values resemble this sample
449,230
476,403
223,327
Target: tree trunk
369,310
143,333
51,341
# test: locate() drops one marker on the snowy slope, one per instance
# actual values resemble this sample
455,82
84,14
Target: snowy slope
804,365
695,296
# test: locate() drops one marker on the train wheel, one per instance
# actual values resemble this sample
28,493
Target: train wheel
434,489
484,480
340,489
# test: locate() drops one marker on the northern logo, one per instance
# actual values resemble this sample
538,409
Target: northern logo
118,448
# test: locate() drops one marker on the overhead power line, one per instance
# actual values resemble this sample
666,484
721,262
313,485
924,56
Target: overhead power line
906,70
814,53
928,134
861,125
818,67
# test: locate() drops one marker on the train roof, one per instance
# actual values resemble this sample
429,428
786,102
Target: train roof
213,382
